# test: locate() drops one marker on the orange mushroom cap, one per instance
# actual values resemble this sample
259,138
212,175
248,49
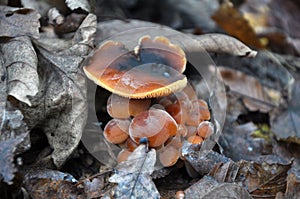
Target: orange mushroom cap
153,69
155,124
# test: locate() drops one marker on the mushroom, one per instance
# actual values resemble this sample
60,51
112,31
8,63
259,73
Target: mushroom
205,129
155,124
178,111
153,69
169,154
123,155
195,139
199,112
130,144
116,131
122,108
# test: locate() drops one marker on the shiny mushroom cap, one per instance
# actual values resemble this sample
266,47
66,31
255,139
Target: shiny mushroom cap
154,68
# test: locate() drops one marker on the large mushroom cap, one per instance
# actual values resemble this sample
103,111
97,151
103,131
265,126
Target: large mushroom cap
153,69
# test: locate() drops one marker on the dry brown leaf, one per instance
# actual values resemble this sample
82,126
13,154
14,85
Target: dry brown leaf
60,106
262,179
221,43
256,96
233,22
292,189
285,122
52,189
7,153
17,22
209,188
21,73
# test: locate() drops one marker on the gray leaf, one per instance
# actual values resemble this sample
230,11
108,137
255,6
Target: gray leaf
19,22
133,175
224,44
209,188
74,4
61,105
11,120
7,153
20,61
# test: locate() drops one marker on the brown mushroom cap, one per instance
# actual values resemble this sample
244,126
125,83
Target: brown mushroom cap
153,69
122,108
116,131
155,124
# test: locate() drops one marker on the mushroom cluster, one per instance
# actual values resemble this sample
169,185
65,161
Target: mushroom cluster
150,97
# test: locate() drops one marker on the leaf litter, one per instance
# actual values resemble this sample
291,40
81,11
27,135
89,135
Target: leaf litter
133,175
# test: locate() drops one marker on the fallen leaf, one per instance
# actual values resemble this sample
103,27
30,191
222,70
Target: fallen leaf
40,173
7,154
13,125
21,74
269,68
48,188
239,144
108,29
284,16
203,163
16,22
93,188
74,4
221,43
11,119
292,188
256,96
276,22
60,107
285,123
41,6
209,188
133,175
218,43
191,14
233,22
262,179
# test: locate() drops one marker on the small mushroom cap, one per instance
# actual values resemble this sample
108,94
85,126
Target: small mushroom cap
155,124
168,156
116,131
153,69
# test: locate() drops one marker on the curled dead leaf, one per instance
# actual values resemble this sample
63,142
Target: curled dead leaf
221,43
21,74
17,22
233,22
